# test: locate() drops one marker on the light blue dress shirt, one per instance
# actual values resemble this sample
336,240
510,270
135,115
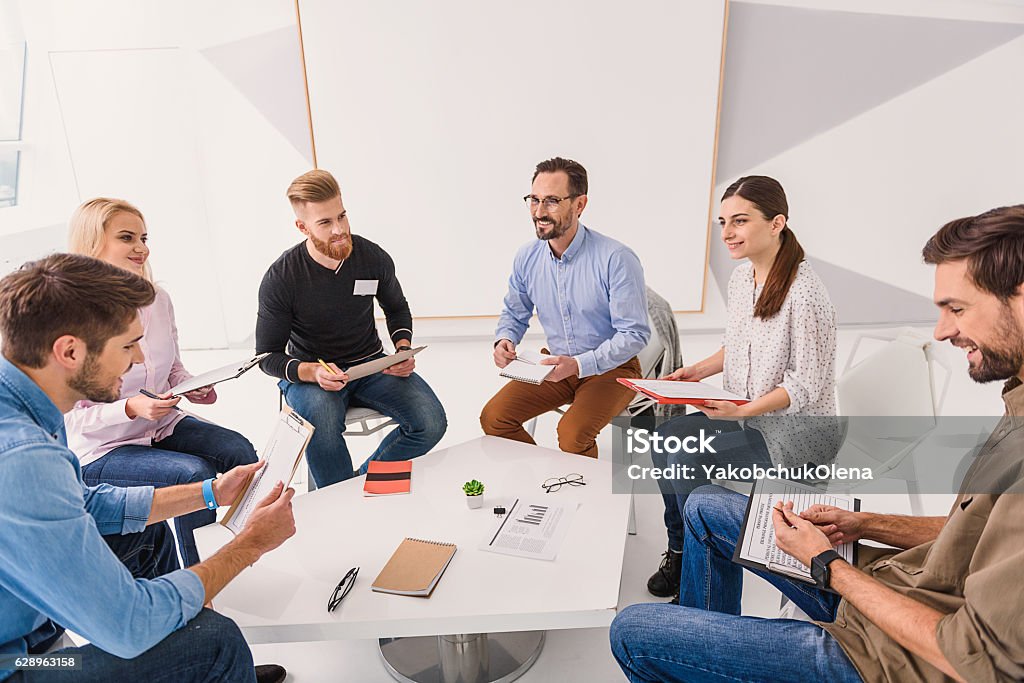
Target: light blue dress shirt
54,564
592,302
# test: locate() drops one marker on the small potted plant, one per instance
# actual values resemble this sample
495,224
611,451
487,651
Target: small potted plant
474,491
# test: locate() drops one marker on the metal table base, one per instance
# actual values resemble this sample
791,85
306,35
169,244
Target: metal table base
462,658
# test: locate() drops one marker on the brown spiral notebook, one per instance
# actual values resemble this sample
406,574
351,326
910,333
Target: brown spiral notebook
414,568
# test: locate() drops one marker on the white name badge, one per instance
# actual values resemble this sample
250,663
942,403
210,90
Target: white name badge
365,288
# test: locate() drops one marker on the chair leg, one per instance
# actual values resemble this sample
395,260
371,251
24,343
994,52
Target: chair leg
631,527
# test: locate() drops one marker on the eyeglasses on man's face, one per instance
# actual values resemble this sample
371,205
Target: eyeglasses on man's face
343,588
554,483
550,203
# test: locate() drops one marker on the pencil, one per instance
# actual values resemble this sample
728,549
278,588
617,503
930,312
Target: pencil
326,366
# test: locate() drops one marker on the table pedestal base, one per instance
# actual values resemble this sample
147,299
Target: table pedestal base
462,658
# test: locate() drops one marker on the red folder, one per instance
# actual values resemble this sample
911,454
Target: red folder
386,478
673,400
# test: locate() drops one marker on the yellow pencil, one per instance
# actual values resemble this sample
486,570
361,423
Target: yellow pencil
326,366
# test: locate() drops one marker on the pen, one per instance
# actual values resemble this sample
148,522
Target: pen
152,395
326,366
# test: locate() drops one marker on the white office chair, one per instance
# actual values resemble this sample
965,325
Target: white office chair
897,380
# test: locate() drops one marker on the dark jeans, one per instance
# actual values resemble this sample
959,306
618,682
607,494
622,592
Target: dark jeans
704,638
733,445
409,400
196,451
210,648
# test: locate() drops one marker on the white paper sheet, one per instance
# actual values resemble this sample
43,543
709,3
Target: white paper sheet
758,543
692,390
281,455
216,376
531,529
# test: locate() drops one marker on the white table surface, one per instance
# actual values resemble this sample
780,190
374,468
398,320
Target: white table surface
283,597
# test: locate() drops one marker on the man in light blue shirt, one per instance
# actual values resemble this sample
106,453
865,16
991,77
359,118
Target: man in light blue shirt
70,328
588,291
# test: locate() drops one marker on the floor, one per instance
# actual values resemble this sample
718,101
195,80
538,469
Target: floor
462,374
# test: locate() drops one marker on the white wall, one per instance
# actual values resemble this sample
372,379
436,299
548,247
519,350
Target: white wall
432,116
124,99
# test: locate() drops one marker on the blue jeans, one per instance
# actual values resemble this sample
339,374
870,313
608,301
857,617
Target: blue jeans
704,638
196,451
409,400
208,648
733,445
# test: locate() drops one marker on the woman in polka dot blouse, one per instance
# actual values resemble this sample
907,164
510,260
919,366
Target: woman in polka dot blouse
779,350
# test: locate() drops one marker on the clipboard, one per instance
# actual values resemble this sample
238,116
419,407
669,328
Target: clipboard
374,366
223,374
666,391
283,453
849,551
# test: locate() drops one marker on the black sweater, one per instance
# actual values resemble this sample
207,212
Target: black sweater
308,311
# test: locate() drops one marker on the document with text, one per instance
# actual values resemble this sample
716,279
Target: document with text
757,547
287,444
532,529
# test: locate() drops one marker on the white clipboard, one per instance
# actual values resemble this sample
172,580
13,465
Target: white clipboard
370,367
217,376
285,449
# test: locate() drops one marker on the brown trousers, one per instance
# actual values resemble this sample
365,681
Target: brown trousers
595,401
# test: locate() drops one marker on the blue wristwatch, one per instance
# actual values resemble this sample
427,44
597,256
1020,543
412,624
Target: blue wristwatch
211,501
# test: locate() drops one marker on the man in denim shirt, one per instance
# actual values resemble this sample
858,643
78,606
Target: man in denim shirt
70,329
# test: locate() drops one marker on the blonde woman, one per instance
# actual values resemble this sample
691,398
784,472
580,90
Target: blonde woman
139,440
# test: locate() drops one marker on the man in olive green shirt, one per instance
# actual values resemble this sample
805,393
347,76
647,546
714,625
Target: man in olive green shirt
944,602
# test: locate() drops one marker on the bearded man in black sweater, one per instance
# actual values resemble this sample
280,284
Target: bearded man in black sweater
316,302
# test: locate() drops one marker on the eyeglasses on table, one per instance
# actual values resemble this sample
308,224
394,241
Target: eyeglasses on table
555,483
343,588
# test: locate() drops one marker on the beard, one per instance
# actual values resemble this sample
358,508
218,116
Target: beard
88,381
557,229
998,363
336,252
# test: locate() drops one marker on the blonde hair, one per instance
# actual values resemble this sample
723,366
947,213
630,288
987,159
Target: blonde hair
87,227
313,186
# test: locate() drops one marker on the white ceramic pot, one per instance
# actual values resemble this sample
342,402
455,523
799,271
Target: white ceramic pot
474,501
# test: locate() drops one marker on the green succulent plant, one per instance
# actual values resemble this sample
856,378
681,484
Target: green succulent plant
473,488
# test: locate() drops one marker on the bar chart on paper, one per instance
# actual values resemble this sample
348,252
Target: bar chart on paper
531,529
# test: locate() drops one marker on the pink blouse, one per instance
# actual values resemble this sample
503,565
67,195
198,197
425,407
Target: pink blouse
95,429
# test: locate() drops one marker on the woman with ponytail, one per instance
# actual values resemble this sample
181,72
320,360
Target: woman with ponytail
779,350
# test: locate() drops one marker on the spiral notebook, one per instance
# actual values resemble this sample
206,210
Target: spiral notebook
527,367
414,568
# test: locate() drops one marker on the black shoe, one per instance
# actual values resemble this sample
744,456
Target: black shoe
270,673
674,600
665,582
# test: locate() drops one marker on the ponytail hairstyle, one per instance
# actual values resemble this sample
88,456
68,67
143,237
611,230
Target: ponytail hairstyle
768,197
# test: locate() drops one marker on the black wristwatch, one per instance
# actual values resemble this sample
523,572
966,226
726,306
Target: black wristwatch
403,347
820,572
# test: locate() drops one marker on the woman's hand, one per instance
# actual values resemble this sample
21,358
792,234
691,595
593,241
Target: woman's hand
150,408
687,373
722,410
202,395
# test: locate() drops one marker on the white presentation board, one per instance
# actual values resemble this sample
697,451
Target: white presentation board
433,115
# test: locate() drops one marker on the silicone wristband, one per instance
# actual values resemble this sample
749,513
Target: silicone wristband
211,501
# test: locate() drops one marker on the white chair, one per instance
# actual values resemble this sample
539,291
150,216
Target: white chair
897,380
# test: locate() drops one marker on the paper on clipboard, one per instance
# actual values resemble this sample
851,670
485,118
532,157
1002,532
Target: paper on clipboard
370,367
287,444
232,371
